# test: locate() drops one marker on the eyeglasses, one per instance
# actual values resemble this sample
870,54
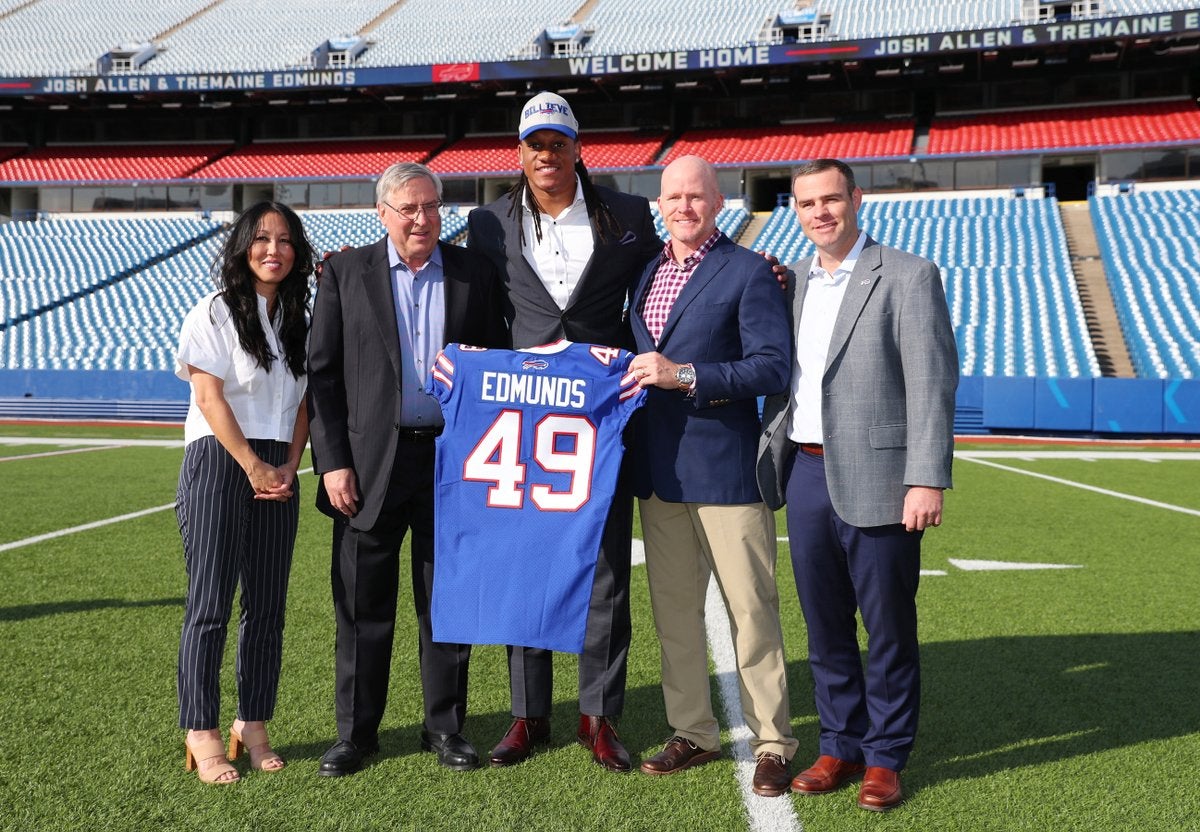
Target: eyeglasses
411,212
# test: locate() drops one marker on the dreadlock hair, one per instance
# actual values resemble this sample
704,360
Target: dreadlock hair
598,211
233,276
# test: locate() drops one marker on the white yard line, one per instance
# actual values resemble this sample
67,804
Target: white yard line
1140,455
84,441
767,814
29,541
61,453
1106,492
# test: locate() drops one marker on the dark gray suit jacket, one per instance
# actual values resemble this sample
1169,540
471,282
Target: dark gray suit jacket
595,312
354,360
887,402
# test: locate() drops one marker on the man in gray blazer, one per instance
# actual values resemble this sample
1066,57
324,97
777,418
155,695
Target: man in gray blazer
860,450
569,253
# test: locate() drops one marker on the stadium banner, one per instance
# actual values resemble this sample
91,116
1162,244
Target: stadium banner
1149,26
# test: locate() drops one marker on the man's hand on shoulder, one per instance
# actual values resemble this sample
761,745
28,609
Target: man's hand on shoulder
321,265
778,269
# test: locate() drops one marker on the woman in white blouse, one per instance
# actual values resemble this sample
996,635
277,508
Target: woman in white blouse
242,348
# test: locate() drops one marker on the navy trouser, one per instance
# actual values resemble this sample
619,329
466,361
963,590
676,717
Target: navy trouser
229,538
866,717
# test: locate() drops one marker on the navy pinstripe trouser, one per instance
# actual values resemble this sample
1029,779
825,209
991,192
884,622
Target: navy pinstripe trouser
230,538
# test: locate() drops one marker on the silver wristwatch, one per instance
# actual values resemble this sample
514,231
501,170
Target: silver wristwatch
686,376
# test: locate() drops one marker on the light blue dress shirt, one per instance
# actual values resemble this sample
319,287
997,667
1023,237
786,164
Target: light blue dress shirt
420,300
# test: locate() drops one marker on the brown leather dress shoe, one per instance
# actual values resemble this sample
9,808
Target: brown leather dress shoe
771,778
517,745
598,735
825,775
677,755
880,790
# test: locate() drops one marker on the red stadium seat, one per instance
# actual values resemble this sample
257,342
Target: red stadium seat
309,159
498,154
1092,126
794,143
108,163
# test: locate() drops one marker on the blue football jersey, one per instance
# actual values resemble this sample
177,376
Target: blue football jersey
525,473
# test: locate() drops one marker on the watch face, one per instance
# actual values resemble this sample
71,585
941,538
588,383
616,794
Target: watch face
686,376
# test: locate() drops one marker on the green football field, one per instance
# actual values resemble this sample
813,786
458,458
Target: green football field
1058,696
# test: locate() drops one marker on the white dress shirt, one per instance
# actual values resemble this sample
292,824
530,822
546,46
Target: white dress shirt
822,300
264,404
565,248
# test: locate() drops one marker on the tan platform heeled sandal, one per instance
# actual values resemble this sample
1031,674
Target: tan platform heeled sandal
254,739
201,752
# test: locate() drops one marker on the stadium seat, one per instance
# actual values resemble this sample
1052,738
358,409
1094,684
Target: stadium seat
1004,263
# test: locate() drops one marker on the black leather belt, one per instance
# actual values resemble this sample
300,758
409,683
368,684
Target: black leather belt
419,434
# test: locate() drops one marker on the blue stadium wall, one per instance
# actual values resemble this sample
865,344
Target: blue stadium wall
1132,406
92,394
1136,407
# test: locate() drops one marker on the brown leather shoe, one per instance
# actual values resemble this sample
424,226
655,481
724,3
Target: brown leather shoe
880,790
518,743
677,755
598,735
825,775
771,778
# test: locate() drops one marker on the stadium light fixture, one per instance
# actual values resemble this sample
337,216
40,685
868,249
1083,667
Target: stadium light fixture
686,85
505,93
630,87
749,82
568,90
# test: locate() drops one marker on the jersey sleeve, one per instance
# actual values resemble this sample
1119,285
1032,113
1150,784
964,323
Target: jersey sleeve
632,396
440,383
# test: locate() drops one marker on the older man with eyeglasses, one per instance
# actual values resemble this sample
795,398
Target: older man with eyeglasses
381,315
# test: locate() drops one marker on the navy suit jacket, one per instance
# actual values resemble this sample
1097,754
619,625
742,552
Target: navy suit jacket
730,322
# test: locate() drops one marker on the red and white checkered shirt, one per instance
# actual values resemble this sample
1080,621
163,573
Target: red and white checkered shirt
669,280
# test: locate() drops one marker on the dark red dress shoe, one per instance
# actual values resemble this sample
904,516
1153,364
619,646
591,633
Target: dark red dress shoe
825,775
677,755
598,735
771,778
517,745
880,790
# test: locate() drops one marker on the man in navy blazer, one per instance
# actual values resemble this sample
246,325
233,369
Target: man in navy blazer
712,333
860,448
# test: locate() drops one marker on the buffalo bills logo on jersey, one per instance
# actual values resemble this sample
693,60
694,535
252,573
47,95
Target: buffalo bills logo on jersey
534,364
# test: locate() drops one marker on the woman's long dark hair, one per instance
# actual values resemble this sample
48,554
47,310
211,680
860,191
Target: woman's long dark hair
598,211
231,271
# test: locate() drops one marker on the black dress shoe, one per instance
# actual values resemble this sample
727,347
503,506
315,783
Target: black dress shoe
453,750
344,757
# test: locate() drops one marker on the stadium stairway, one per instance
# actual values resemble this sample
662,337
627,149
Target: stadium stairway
758,221
1094,295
